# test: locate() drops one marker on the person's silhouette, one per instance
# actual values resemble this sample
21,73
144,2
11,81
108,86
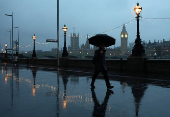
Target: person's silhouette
100,109
100,66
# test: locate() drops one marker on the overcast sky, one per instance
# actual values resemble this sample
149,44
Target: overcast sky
90,17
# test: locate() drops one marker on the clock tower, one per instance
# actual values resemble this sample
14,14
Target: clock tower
124,39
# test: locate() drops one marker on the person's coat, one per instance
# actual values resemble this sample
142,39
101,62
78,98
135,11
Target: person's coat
99,60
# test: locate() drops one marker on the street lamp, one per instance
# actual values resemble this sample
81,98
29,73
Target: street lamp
12,33
65,53
34,54
18,40
6,50
10,36
138,49
2,50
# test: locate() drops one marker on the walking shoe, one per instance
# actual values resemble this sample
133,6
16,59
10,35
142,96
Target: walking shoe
109,92
92,86
110,87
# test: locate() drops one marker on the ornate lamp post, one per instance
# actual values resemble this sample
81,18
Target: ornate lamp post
65,53
138,49
34,54
6,50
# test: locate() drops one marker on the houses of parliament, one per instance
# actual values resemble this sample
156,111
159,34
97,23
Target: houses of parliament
86,51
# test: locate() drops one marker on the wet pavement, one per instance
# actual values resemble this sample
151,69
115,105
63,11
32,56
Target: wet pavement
39,91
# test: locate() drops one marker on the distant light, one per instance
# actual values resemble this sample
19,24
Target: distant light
25,52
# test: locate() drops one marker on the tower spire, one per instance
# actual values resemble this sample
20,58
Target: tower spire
87,37
124,39
124,28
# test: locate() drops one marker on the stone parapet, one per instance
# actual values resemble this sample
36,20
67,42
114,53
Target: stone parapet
136,64
133,64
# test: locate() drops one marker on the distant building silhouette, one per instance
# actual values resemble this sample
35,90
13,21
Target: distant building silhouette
95,48
87,45
124,40
86,52
162,49
74,40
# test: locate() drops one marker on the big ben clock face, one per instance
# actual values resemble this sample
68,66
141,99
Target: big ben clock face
122,35
126,36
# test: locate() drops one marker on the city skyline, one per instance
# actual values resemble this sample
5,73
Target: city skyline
84,17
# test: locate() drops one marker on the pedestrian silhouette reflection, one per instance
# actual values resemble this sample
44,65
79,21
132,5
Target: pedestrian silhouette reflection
100,109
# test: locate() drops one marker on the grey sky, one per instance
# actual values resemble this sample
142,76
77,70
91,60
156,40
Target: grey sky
87,16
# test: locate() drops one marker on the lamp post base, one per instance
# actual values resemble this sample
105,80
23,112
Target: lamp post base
34,54
65,53
136,64
138,49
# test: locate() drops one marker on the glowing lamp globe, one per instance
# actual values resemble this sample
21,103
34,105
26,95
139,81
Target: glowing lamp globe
137,9
65,28
34,37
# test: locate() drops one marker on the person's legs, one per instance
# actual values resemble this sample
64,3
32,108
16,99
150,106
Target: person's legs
96,73
104,72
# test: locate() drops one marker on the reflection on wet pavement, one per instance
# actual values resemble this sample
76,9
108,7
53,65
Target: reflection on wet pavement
46,91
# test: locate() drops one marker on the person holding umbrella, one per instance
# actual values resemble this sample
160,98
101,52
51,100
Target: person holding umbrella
102,41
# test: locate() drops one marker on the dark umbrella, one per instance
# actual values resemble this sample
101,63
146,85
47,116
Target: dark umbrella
99,39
